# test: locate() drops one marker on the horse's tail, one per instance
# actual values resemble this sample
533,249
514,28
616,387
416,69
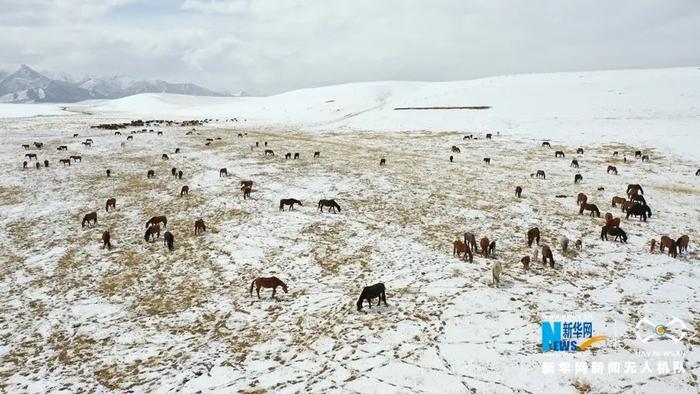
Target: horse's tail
145,237
107,206
281,205
251,287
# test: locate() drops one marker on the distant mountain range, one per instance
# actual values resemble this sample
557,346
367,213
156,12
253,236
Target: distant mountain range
29,86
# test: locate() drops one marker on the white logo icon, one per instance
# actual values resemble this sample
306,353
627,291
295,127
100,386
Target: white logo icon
660,330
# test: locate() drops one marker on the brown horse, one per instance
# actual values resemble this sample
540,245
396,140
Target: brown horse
634,189
559,154
670,244
460,248
106,240
533,234
246,192
526,262
77,158
168,240
612,169
589,207
627,205
581,199
653,245
547,255
199,226
540,174
518,191
611,221
185,191
152,232
455,149
271,282
269,152
90,217
157,219
111,202
578,244
484,244
618,200
682,243
247,183
223,173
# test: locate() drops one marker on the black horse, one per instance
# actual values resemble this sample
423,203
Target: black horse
578,178
168,240
574,163
331,204
643,211
492,247
639,198
377,290
617,232
290,202
697,173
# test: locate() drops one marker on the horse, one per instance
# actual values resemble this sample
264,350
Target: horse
697,173
317,154
24,164
682,243
156,220
177,150
108,172
540,174
169,240
63,161
559,154
269,152
487,160
246,192
246,183
111,202
377,290
547,255
455,149
578,244
618,200
639,198
546,144
173,171
265,143
271,282
526,262
589,207
77,158
581,199
653,245
160,133
670,244
612,169
461,248
533,234
46,163
223,172
30,156
129,137
617,232
382,162
643,211
470,240
484,244
564,244
612,222
574,163
645,158
452,158
331,204
106,241
150,174
287,155
492,248
185,191
296,155
579,151
38,165
75,135
179,175
633,189
496,273
25,146
637,154
90,217
488,136
518,191
199,226
578,178
152,232
290,202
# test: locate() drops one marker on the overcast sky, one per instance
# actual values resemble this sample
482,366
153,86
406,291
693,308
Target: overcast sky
269,46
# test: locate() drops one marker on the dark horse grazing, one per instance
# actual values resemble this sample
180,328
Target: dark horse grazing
643,211
559,154
199,226
90,217
541,174
382,162
682,243
670,244
633,189
574,163
62,161
546,144
612,169
111,202
269,152
579,151
331,204
246,192
150,174
377,290
168,240
487,160
174,171
185,191
288,155
271,282
460,248
152,232
578,178
290,202
639,198
589,207
106,240
547,255
296,155
484,244
317,154
533,235
157,219
617,232
518,191
223,172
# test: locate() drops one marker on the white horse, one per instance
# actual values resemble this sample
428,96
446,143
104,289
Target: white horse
564,243
496,271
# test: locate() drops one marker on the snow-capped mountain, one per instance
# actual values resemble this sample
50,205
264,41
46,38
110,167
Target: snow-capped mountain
29,86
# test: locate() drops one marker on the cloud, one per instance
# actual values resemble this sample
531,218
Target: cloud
268,46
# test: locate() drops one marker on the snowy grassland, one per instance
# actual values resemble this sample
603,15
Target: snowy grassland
141,318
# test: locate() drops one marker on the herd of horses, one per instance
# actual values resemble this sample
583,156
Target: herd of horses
634,205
